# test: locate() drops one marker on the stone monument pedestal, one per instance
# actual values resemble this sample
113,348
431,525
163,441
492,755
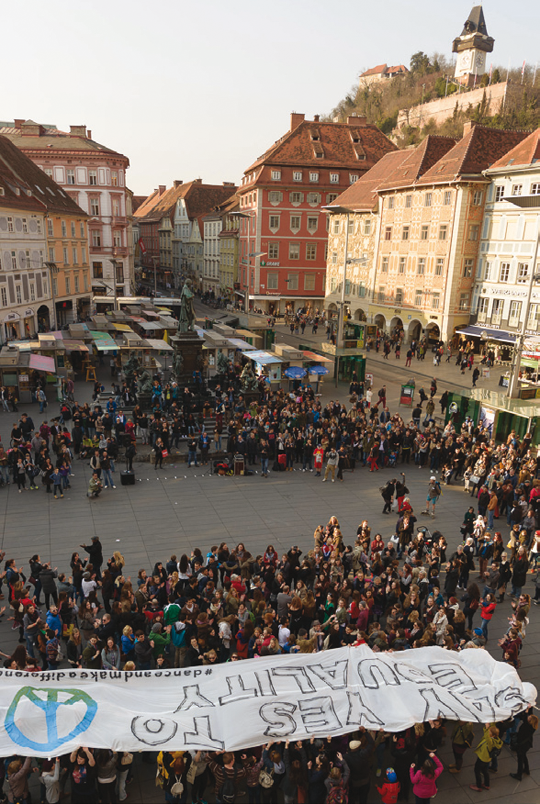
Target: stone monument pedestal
190,345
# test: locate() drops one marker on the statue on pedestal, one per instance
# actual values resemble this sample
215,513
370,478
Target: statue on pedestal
144,383
177,364
131,367
187,311
248,378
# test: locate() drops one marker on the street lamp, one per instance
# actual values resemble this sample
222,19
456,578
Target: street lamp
524,202
155,260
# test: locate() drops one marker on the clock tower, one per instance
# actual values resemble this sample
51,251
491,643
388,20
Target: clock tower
471,47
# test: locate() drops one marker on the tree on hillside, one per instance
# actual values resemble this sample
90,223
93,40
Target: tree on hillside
419,63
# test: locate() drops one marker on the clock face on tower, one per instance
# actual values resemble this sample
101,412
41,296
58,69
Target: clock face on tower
480,62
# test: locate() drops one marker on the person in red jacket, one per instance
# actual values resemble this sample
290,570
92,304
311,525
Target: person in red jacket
390,790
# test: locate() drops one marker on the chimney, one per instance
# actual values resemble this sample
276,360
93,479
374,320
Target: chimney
296,119
177,182
162,188
31,129
467,127
88,135
18,122
316,118
356,121
77,131
228,184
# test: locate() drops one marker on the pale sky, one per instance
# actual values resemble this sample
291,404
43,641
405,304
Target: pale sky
191,89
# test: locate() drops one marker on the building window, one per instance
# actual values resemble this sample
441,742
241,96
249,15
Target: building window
98,270
421,267
74,255
477,198
391,202
439,265
402,263
38,224
311,251
276,175
50,229
120,272
68,285
3,295
65,255
367,227
32,291
309,281
273,251
499,192
292,281
435,300
517,189
25,225
447,198
312,224
64,229
523,272
418,298
10,224
424,232
94,206
275,197
114,178
294,251
73,229
515,313
70,176
381,293
296,198
83,255
487,274
274,222
337,225
468,267
399,295
483,304
96,239
405,233
535,189
384,265
313,199
504,272
334,178
18,294
428,199
388,233
532,323
353,177
297,175
48,172
408,201
443,231
52,254
13,261
473,231
117,238
295,223
464,302
76,280
92,177
334,258
272,281
313,177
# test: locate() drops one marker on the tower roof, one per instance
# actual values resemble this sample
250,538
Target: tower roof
475,23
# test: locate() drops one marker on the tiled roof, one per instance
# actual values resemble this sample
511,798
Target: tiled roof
399,68
379,70
137,201
475,23
199,198
333,140
52,139
419,160
362,195
18,171
526,153
474,153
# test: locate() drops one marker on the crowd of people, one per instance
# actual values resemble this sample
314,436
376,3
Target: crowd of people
230,605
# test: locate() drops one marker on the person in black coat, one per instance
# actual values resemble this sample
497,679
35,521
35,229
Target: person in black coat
524,741
359,760
451,582
95,555
388,495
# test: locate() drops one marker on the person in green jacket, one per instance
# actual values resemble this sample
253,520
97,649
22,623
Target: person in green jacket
159,639
462,739
489,746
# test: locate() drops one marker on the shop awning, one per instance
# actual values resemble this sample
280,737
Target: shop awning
103,341
238,343
148,325
316,358
263,358
492,334
122,327
42,363
245,333
158,343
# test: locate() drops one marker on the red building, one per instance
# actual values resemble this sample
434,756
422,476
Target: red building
283,237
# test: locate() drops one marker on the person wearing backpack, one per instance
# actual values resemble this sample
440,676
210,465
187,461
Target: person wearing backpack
433,494
337,783
462,739
227,776
489,746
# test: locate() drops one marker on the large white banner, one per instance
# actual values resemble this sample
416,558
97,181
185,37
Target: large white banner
242,704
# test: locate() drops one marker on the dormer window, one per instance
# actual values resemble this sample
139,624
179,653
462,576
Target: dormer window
297,175
276,175
334,178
